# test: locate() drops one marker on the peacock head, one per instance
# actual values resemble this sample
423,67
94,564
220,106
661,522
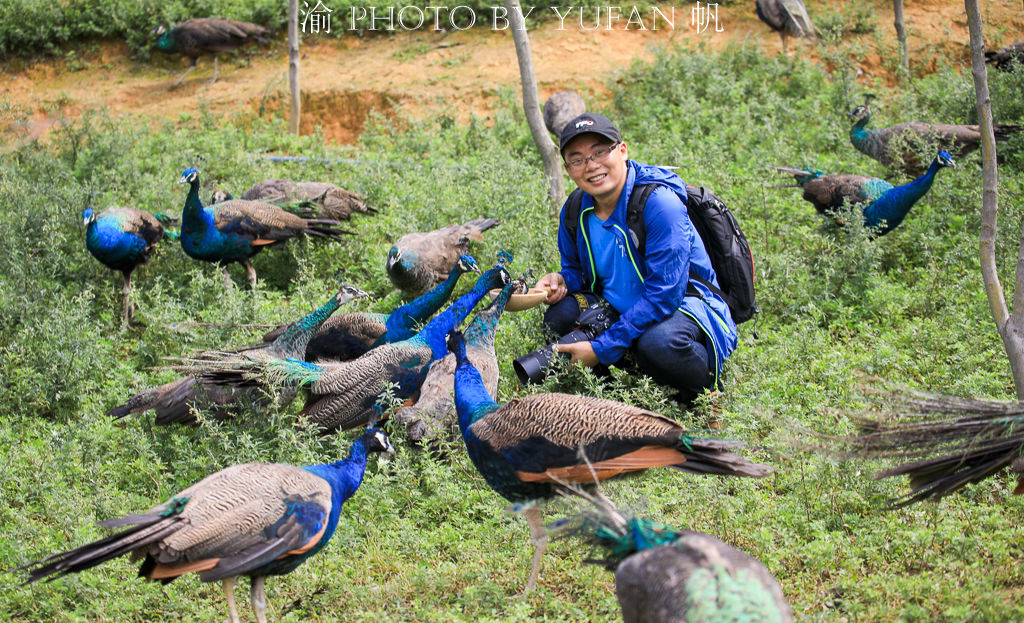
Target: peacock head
394,257
165,219
456,344
220,196
860,115
189,176
349,293
945,160
376,440
163,38
465,264
88,217
496,277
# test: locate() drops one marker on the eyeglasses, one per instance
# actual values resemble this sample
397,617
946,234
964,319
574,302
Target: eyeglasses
598,156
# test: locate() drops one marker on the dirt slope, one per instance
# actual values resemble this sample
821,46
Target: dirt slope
424,70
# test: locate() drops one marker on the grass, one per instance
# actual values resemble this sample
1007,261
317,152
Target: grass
425,539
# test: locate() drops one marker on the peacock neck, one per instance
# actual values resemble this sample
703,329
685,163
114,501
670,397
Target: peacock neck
401,322
472,401
293,342
890,210
480,332
437,329
344,476
192,214
858,133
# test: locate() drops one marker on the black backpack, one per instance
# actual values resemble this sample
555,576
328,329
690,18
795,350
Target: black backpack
725,243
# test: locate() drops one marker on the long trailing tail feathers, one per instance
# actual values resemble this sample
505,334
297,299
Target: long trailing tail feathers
706,455
147,529
947,442
136,404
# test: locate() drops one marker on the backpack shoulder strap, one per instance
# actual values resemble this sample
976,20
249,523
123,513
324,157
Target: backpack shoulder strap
571,217
635,214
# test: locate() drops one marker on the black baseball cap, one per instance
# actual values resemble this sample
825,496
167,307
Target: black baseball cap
588,123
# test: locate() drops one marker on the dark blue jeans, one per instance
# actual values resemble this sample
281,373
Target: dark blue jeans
673,352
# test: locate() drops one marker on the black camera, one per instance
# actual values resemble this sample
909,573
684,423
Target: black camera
592,322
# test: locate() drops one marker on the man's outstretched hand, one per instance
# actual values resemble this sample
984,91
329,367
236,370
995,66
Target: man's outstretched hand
554,283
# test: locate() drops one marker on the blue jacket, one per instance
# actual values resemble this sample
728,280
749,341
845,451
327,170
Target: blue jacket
673,247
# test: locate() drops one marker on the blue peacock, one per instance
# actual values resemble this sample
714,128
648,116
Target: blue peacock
218,389
346,395
433,416
235,230
347,336
664,575
255,519
884,205
122,239
532,448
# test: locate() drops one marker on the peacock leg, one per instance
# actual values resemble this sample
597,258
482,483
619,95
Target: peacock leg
259,598
187,72
783,35
129,308
539,538
227,275
251,272
214,69
229,592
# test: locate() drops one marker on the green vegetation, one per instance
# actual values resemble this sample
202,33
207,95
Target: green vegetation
425,539
33,27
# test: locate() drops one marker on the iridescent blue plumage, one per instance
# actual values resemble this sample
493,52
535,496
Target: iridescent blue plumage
122,239
347,394
254,519
530,448
884,206
235,230
889,210
347,336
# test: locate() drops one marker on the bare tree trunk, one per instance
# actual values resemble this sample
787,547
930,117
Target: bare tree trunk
293,66
901,35
1011,328
531,105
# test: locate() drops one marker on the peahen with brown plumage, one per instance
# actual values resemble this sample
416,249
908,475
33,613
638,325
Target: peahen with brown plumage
347,336
319,199
530,448
664,575
947,442
884,206
235,230
433,414
122,239
786,17
207,35
175,402
420,260
255,519
347,395
897,146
